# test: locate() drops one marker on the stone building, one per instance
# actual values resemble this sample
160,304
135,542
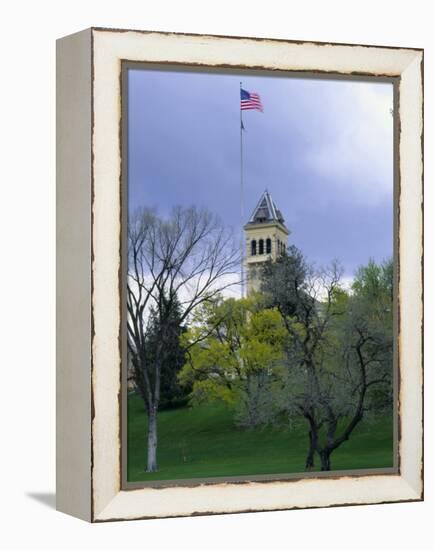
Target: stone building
265,238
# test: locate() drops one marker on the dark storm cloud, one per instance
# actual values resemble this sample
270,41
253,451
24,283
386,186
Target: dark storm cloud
322,148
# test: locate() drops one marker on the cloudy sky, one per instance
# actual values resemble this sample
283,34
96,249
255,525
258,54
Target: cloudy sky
323,149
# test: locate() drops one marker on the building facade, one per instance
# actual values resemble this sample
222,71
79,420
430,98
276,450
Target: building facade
266,237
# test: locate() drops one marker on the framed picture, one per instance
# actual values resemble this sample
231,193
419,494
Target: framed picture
240,286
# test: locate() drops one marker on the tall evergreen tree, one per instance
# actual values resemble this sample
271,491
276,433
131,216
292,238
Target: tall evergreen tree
165,325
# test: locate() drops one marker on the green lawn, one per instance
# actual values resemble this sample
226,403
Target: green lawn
203,442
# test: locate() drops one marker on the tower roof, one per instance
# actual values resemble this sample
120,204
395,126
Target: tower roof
266,211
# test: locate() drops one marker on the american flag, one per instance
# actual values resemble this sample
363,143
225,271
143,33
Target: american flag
250,101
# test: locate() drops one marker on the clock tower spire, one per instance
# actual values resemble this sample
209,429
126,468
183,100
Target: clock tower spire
266,238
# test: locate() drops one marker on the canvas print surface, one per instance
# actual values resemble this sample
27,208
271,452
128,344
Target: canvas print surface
259,275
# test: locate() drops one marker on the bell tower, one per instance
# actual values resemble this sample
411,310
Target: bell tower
265,238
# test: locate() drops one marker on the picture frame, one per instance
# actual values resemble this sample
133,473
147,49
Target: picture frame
90,213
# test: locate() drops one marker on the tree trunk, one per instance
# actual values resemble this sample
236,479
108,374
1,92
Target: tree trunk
152,441
310,459
325,460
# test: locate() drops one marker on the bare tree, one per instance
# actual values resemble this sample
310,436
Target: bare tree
184,260
338,351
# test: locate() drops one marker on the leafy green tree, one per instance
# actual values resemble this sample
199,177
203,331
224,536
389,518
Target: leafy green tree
374,283
237,353
371,314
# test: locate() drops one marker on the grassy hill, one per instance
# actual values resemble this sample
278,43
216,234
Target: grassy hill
203,442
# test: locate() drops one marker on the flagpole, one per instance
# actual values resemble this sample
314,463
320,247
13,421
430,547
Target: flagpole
241,197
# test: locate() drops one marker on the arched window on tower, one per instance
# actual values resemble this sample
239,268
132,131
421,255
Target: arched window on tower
261,246
268,246
278,246
253,248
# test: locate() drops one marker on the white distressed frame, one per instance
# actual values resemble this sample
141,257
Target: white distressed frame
106,501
